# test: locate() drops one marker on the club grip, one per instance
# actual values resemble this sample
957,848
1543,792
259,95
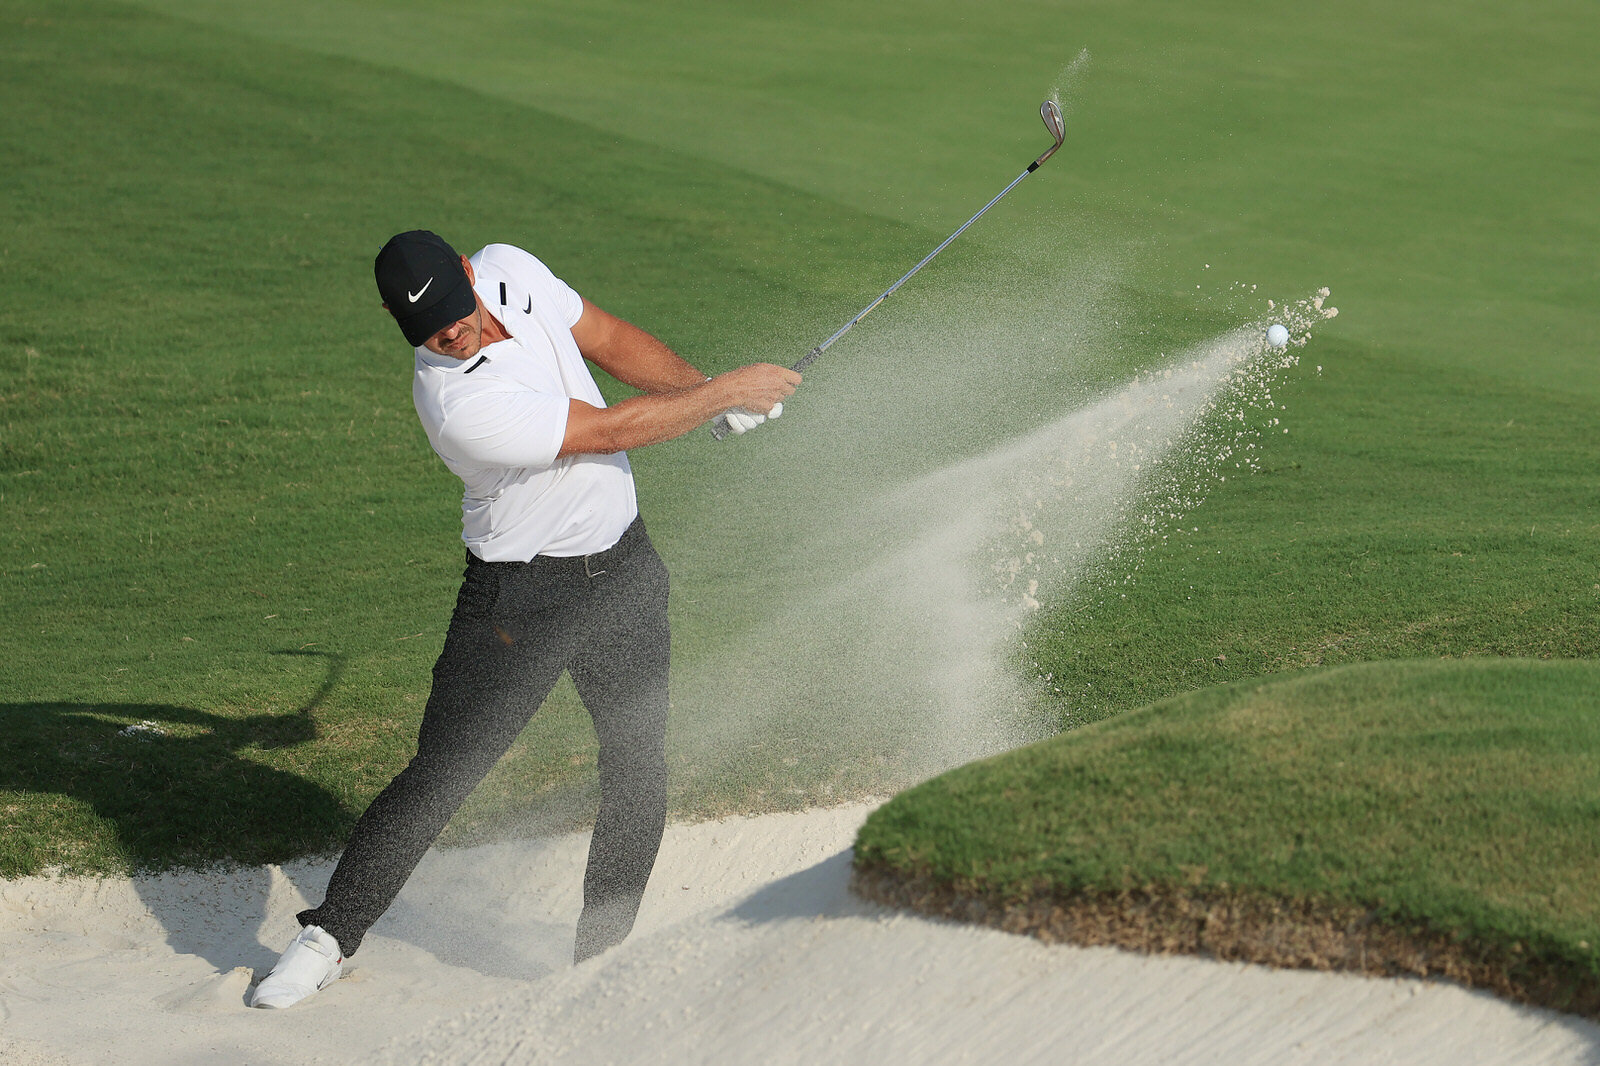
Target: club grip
806,360
720,427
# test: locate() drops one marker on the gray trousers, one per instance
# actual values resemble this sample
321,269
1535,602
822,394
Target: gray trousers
516,627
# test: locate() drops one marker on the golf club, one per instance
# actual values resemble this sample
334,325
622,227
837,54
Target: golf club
1050,111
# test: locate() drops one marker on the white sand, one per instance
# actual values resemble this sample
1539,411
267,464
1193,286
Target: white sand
749,949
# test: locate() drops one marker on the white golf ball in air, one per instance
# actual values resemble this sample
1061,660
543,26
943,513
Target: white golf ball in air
1277,336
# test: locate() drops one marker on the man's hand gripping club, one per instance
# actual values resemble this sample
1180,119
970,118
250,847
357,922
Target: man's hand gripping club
749,414
767,396
660,416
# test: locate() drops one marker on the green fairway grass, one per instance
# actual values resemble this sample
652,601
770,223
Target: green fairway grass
1425,515
218,499
219,514
1432,817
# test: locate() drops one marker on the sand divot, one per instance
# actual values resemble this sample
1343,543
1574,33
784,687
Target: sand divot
219,993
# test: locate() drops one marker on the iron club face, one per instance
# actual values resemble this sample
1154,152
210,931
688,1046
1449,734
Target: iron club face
1050,111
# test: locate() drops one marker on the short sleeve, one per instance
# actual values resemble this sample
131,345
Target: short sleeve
531,274
506,427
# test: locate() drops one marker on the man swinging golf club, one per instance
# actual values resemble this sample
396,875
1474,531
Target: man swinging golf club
560,575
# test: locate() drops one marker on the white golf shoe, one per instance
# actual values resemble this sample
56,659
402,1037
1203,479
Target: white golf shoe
310,964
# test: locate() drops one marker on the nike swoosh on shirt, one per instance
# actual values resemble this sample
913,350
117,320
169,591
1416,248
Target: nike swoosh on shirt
420,291
529,309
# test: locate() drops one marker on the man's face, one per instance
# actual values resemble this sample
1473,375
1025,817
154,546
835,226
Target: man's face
464,338
459,340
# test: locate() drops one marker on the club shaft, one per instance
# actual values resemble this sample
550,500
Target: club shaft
806,359
1052,115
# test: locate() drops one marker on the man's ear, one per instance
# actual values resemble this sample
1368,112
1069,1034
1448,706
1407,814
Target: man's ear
466,264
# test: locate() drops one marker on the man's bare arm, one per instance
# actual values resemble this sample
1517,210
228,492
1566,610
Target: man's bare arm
677,397
631,355
662,416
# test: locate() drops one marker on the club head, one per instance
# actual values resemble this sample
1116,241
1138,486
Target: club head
1050,111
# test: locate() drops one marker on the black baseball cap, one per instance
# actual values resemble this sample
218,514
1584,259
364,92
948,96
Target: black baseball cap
421,278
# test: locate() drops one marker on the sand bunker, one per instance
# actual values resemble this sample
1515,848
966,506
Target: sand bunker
750,948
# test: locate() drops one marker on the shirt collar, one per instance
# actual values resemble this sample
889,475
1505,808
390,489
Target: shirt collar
451,365
448,363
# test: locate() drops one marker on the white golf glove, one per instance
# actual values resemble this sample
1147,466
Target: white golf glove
742,421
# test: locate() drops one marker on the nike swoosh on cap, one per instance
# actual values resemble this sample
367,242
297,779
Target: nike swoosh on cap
420,291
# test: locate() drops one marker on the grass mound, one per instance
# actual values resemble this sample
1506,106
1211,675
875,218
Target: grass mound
1433,818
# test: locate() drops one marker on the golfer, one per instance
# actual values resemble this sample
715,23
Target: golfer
560,574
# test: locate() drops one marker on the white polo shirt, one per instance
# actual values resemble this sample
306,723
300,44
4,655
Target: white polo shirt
498,420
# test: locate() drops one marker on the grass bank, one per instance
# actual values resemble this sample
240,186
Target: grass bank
1420,818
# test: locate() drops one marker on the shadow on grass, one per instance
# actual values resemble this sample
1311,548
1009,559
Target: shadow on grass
164,789
176,786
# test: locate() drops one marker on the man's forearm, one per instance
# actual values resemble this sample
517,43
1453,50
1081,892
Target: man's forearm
631,355
649,365
657,417
641,420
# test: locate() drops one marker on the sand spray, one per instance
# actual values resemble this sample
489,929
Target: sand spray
954,469
1065,90
965,478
